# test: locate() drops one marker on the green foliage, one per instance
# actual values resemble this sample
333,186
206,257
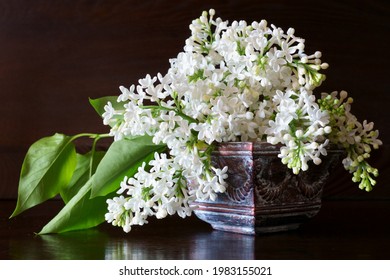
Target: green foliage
47,169
99,103
81,174
85,182
122,159
81,212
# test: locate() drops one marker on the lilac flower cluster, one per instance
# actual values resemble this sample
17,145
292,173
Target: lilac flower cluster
232,82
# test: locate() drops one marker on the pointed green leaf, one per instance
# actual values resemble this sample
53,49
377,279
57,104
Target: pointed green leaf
122,159
99,103
47,168
79,213
81,174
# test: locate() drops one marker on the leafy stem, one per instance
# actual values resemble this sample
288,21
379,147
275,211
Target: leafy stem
96,137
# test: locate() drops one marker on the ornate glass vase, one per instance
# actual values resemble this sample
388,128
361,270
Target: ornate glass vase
262,194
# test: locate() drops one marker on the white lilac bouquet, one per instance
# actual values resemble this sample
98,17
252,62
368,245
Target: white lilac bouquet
232,82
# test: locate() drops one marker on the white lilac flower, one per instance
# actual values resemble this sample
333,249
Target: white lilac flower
356,138
231,82
108,114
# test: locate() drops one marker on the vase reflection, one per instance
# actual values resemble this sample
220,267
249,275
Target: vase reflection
206,246
202,246
94,244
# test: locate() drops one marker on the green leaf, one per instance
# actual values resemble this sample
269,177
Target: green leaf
122,159
81,174
46,170
99,103
79,213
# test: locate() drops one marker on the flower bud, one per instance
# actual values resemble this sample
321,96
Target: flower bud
304,59
290,31
317,161
301,46
299,133
161,213
327,129
324,65
358,139
304,166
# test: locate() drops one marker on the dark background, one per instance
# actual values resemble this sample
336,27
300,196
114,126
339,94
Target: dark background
55,54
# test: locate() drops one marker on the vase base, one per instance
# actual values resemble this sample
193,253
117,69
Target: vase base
236,223
247,221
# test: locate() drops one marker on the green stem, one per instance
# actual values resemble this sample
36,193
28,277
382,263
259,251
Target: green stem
90,135
93,151
96,137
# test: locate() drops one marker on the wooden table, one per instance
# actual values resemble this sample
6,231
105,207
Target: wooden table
342,230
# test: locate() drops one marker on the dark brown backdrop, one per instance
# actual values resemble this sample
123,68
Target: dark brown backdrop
56,54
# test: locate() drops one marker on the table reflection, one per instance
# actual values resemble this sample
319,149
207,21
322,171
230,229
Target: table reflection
327,236
197,246
95,244
88,244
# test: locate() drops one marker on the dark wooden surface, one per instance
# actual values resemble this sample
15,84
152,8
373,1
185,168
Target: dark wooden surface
342,230
55,54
